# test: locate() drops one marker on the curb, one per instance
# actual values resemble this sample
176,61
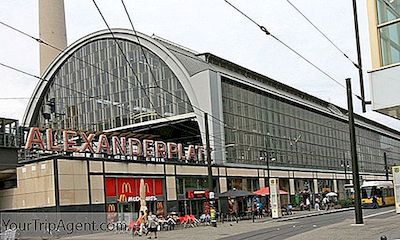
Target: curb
314,214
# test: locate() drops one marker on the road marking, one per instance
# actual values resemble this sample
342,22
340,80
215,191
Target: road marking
381,213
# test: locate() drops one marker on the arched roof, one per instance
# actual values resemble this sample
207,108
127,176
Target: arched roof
182,69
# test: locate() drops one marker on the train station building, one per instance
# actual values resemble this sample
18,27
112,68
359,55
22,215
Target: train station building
116,108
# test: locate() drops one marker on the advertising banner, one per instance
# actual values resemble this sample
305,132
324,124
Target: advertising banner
396,184
275,198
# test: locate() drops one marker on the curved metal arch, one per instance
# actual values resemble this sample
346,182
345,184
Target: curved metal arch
152,45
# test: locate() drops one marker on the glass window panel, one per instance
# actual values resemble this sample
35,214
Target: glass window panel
390,43
388,10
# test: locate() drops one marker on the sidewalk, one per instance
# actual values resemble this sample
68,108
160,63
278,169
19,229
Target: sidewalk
303,214
225,229
373,228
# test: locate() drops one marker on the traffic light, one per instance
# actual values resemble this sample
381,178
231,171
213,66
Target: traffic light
52,104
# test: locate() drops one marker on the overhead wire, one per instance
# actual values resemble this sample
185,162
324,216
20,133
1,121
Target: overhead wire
138,39
212,118
323,34
61,50
90,64
130,66
79,92
264,29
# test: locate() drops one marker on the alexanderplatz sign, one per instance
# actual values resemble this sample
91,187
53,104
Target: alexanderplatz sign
117,146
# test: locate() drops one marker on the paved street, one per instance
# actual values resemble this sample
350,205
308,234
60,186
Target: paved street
327,226
330,226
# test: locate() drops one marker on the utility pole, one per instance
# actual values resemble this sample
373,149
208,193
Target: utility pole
386,166
213,214
354,161
345,167
360,73
208,148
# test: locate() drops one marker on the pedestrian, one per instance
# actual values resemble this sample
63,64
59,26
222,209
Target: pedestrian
308,204
289,209
140,221
254,210
260,210
152,222
213,217
316,206
375,202
325,201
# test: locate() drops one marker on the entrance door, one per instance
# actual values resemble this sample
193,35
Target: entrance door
125,211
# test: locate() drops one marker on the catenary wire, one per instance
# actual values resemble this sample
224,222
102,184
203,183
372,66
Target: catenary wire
92,65
215,119
92,97
264,29
323,34
61,50
41,41
129,64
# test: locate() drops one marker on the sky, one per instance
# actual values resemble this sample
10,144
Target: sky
208,26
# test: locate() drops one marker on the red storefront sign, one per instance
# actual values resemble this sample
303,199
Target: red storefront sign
197,194
129,188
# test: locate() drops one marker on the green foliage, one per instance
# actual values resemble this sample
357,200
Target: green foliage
347,202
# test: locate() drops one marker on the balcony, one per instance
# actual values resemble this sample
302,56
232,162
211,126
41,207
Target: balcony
385,88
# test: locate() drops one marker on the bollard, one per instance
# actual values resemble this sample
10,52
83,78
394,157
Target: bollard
383,237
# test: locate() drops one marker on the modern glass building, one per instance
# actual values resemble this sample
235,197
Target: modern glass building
150,88
384,29
295,135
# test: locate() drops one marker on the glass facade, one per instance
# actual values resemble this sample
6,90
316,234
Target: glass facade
389,30
9,133
261,127
95,89
388,10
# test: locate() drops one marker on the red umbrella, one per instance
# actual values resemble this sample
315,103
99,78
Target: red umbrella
265,191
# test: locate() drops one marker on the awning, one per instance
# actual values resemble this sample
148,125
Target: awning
265,191
236,193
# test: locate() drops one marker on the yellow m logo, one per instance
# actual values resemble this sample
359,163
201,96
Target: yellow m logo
126,188
122,198
111,207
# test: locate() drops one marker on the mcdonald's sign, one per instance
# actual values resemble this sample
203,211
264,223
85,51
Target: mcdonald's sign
121,188
111,208
122,198
126,188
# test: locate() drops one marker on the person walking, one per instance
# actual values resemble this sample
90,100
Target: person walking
316,206
325,201
308,204
152,222
375,202
140,222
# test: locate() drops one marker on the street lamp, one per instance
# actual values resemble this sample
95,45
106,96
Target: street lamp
386,166
345,165
264,155
294,142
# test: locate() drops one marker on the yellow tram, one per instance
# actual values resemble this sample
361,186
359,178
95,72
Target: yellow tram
382,190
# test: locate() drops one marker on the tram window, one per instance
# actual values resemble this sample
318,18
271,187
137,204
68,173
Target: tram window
378,192
384,192
366,192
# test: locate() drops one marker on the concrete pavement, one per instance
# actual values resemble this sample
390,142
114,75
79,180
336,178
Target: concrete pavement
374,227
223,230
